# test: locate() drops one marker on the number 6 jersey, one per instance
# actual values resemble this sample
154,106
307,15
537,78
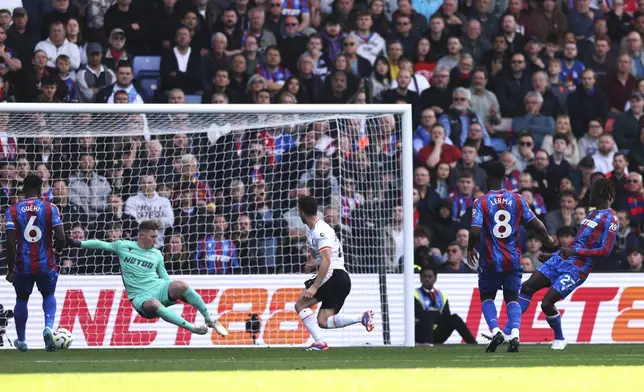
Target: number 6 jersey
323,237
499,214
34,221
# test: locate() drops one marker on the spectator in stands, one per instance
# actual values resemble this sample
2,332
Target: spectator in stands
293,44
454,262
534,249
176,255
200,40
250,251
94,76
603,158
405,33
401,90
564,215
457,119
437,35
438,150
87,188
571,68
56,44
122,15
586,102
484,102
116,50
434,321
628,123
216,253
48,90
534,122
19,38
544,175
370,44
468,164
563,127
451,58
484,153
148,205
357,65
272,70
634,50
551,107
61,12
523,152
461,75
618,176
559,167
10,62
23,169
65,74
513,86
589,143
189,174
619,84
422,135
515,39
634,260
265,38
474,42
314,49
462,197
75,36
601,60
496,59
124,79
182,67
547,20
511,182
71,213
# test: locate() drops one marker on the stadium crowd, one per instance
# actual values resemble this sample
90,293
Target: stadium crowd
554,89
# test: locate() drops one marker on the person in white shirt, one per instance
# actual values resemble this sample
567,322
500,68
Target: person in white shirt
604,156
418,82
370,44
148,205
57,44
331,285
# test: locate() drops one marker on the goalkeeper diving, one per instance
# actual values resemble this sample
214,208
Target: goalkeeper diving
146,281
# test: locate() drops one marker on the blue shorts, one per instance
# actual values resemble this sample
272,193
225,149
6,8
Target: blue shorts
491,281
24,284
563,276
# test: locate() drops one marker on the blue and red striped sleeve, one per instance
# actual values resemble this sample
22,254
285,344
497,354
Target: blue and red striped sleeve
477,212
608,239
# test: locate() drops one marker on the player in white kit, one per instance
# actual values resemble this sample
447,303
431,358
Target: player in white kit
331,285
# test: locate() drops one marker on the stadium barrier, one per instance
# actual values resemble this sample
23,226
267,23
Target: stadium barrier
608,308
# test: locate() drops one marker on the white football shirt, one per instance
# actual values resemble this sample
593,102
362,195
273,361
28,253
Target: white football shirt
323,237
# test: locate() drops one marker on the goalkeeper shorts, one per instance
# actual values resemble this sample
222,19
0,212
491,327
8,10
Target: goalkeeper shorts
159,291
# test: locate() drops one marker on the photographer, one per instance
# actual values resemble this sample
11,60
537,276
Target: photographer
434,321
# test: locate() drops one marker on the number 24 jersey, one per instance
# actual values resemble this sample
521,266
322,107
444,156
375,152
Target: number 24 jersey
499,214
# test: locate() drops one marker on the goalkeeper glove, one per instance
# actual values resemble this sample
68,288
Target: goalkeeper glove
73,243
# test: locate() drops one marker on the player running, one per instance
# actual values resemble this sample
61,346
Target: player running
31,259
568,268
146,281
332,284
497,216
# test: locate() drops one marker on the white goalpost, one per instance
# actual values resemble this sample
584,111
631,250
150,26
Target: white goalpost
222,180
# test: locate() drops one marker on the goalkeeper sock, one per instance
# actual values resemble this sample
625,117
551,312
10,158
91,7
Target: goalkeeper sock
311,323
173,318
341,321
49,307
489,312
20,314
194,299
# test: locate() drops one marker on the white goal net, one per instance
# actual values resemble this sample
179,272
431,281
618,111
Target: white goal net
224,188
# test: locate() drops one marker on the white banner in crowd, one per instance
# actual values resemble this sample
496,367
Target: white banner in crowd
608,308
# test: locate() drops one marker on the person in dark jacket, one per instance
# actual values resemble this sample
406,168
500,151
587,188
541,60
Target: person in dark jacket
512,86
189,79
628,123
587,102
435,323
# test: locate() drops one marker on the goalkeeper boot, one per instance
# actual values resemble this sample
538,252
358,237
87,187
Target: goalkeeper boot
216,325
48,337
496,341
318,346
21,346
200,329
367,320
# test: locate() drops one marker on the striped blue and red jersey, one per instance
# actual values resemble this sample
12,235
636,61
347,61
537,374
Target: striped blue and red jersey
595,238
216,257
499,215
34,220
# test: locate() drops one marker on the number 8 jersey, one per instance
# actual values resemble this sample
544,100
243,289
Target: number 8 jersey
34,221
323,237
499,214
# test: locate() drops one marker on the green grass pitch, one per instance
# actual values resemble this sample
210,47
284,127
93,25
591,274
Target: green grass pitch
440,368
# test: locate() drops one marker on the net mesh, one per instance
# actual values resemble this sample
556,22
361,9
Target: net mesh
224,188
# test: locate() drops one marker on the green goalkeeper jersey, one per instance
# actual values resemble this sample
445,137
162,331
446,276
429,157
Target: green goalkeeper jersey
141,269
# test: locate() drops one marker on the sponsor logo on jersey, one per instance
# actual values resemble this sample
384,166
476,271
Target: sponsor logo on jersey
589,223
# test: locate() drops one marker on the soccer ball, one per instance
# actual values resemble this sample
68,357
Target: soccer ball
62,338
